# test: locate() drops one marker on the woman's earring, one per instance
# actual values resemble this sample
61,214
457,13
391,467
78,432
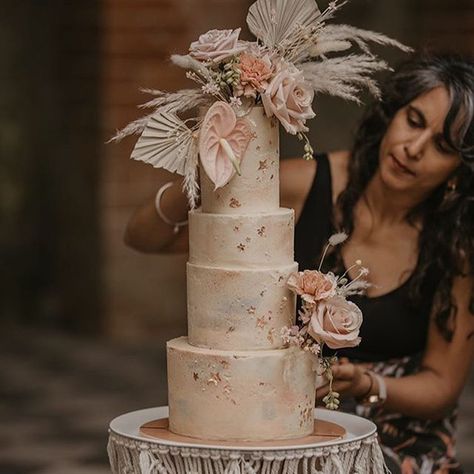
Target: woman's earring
451,187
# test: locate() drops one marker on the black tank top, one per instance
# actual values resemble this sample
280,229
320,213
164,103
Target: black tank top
393,326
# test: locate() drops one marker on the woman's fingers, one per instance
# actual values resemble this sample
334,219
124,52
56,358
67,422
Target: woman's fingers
339,386
344,371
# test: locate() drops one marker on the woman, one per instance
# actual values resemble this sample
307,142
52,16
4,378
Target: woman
405,196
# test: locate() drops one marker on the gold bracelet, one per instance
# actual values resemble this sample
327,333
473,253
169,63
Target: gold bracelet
379,398
176,225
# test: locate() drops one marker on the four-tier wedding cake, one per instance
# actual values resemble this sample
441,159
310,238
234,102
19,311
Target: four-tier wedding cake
246,371
232,378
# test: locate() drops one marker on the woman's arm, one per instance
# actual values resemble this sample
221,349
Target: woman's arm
146,231
431,392
444,368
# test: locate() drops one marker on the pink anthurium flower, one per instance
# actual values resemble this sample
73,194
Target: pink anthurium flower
223,140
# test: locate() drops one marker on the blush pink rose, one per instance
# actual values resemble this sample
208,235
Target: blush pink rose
312,285
289,98
254,74
216,45
336,322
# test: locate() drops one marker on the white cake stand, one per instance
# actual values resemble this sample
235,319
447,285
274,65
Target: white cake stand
130,452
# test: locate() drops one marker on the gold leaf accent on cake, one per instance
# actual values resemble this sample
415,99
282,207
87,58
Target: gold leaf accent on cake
215,378
241,247
234,203
306,415
248,239
262,165
261,322
231,329
261,231
225,364
236,228
283,303
251,310
195,376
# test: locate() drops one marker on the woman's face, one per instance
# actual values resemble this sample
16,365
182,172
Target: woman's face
413,154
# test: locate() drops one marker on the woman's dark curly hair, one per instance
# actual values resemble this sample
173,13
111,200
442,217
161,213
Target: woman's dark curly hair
446,242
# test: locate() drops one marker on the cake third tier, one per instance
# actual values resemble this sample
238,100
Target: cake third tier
239,309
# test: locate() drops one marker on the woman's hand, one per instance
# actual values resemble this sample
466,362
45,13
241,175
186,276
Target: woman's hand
348,380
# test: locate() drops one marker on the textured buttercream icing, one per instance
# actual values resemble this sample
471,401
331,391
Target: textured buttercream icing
247,241
239,308
240,395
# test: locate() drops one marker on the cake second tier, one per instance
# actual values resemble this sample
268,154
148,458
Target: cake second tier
241,240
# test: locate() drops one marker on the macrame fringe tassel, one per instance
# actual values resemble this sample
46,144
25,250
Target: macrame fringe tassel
132,457
113,455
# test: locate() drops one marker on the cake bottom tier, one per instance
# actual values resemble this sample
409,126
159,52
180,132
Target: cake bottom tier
240,395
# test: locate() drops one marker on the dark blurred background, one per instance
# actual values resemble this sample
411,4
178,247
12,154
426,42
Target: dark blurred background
83,319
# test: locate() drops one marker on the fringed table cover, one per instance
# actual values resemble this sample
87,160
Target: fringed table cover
132,453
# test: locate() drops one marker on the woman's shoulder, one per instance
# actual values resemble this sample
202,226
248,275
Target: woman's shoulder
297,176
339,164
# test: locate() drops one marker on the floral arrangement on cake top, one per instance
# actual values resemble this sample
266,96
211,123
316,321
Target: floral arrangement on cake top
326,317
281,71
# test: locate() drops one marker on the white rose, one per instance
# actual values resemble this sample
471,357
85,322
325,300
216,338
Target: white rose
336,322
289,98
217,45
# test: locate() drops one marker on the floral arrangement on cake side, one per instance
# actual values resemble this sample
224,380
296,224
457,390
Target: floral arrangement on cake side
326,316
290,60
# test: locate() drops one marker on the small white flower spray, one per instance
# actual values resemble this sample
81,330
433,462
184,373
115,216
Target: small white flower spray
334,240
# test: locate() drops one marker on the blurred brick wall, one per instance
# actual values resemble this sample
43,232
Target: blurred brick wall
447,26
49,240
143,293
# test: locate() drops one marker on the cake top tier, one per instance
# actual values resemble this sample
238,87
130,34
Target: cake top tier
254,188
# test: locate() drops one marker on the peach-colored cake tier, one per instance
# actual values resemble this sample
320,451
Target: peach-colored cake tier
240,395
239,309
257,189
251,241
